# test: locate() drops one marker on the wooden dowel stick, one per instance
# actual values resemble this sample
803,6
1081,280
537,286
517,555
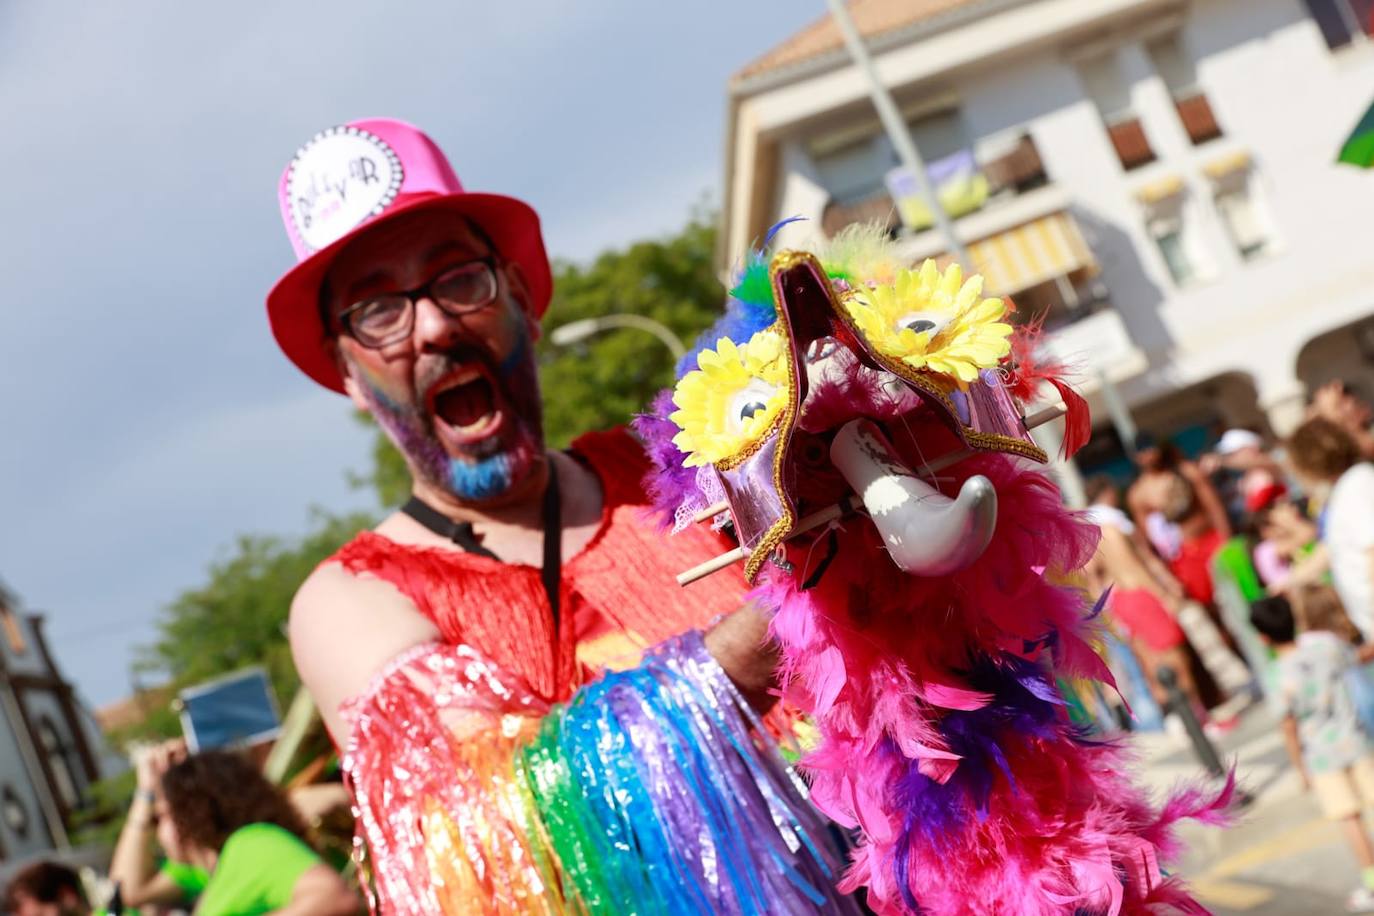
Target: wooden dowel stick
715,564
1040,418
814,520
830,513
711,511
1045,415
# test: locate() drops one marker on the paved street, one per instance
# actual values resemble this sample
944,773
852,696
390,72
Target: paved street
1282,857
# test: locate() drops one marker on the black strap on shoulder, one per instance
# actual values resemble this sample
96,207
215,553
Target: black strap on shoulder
552,571
461,534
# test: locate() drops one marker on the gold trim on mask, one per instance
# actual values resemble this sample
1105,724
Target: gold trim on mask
924,381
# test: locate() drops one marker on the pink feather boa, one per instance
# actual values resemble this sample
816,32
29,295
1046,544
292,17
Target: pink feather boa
881,660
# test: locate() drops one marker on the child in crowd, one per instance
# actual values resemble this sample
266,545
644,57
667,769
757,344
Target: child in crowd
1326,739
1284,537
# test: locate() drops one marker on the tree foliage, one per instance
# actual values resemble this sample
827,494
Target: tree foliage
238,617
604,380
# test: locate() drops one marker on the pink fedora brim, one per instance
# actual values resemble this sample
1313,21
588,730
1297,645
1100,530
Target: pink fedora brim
293,304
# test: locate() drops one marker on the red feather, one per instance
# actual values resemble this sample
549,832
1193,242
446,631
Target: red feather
1078,422
1030,368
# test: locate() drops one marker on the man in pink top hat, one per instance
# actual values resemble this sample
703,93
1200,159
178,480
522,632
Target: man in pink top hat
421,302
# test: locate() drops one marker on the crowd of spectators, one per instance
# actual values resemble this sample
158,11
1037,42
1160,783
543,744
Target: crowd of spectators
206,833
1249,572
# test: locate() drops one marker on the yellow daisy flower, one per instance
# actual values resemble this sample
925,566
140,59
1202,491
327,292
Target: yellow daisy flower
934,321
729,403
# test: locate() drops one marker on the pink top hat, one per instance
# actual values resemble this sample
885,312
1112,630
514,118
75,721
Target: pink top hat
357,175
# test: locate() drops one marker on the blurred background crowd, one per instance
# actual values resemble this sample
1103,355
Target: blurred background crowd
1193,544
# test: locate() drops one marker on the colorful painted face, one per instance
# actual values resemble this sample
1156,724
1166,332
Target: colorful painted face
458,396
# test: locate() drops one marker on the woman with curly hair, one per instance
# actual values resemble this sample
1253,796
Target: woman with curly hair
219,812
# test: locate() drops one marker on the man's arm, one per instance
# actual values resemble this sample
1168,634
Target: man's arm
344,629
1207,498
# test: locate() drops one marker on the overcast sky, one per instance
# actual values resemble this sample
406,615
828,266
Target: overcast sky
148,417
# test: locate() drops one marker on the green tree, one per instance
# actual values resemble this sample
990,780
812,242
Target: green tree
238,617
605,380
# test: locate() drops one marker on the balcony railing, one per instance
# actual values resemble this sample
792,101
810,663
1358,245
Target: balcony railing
1099,340
1016,172
876,208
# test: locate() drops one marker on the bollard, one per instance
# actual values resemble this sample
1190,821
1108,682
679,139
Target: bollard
1178,703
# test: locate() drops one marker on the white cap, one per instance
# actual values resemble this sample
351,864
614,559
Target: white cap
1233,440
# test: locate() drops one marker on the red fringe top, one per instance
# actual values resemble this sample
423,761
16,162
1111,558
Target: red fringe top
618,595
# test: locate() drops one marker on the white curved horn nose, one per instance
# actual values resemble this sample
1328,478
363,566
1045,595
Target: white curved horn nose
926,532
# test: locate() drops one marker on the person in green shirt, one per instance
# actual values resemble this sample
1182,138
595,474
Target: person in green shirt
218,812
133,867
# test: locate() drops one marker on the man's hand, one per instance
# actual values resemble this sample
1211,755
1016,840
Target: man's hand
741,646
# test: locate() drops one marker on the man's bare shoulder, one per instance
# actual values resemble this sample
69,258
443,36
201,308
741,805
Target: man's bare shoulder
334,596
344,628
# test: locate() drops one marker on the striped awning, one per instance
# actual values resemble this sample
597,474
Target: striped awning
1031,253
1227,165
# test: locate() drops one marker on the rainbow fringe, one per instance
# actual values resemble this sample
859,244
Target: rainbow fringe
653,791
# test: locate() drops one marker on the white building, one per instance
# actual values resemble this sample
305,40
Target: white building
1156,177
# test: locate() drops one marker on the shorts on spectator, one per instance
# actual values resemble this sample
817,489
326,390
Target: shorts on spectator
1144,617
1342,793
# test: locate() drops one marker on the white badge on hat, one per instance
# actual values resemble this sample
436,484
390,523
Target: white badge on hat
340,178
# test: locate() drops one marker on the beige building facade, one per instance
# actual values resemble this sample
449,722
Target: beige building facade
1155,179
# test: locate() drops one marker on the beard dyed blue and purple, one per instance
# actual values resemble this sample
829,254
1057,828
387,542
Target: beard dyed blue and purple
479,471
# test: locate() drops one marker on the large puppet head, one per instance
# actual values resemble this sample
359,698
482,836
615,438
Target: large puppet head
846,373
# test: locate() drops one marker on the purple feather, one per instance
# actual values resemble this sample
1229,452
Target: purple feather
1100,605
669,483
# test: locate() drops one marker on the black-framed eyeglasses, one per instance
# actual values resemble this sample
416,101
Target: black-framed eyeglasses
461,289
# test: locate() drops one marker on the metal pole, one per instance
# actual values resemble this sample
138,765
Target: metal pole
1117,410
896,129
1183,708
577,330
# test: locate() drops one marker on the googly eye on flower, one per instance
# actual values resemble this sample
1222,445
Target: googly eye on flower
732,399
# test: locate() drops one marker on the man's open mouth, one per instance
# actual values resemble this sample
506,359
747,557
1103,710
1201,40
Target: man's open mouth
466,405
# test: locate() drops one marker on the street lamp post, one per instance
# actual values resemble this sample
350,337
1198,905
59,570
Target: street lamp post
573,331
897,131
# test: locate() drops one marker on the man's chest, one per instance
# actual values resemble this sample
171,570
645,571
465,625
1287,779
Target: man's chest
525,547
